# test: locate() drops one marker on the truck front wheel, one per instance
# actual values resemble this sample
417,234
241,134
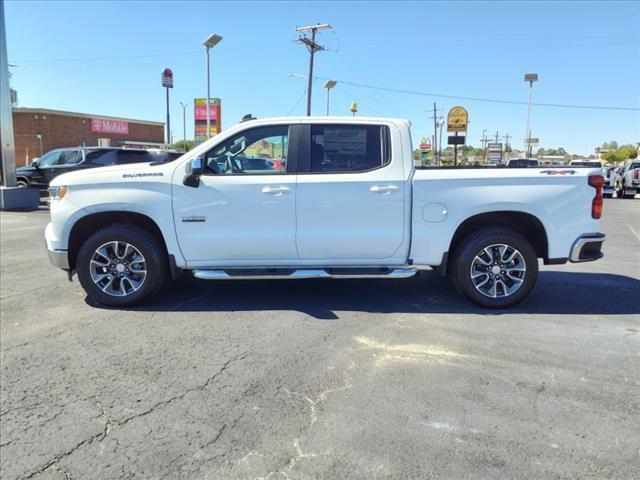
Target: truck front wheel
121,265
494,267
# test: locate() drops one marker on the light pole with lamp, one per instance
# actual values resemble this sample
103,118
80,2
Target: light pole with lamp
529,77
329,85
39,137
210,42
184,106
441,125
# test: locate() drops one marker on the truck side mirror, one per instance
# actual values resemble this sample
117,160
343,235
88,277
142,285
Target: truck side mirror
34,162
193,171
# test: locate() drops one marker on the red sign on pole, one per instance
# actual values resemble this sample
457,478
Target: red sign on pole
167,78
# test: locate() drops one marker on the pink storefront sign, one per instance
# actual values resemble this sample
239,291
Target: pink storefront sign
200,112
103,125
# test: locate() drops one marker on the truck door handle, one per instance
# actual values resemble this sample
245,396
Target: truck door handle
275,191
383,189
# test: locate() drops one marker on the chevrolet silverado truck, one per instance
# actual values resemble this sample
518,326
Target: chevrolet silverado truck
325,197
628,181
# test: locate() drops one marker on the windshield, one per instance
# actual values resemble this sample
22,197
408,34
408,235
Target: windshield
522,162
586,164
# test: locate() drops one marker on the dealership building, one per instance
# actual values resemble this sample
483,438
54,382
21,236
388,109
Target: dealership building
38,130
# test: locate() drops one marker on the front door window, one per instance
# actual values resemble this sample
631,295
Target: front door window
259,151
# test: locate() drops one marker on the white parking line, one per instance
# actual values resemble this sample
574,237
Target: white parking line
637,235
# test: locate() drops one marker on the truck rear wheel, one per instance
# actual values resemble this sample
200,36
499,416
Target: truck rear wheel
494,268
121,266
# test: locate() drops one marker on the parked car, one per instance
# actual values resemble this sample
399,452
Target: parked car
62,160
350,203
522,162
628,180
609,181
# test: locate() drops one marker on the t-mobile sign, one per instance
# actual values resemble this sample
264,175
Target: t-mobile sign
102,125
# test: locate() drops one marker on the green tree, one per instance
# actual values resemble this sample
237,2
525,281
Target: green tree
179,146
618,155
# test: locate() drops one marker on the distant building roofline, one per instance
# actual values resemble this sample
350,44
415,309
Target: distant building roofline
46,111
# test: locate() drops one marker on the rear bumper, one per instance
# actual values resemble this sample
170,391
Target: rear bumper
587,248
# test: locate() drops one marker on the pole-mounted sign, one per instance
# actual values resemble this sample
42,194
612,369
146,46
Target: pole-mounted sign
457,120
167,83
167,78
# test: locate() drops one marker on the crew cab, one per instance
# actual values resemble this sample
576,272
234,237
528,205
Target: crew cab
628,181
348,203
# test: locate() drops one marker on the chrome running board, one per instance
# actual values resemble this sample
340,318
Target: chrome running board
289,274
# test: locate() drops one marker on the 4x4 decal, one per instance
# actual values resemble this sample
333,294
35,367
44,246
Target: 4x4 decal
559,172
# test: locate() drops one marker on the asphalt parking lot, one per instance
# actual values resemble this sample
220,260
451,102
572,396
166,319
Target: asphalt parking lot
317,379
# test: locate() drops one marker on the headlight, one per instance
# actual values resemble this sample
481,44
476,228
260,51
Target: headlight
57,193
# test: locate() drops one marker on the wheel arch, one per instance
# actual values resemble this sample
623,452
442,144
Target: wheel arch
88,224
24,179
526,224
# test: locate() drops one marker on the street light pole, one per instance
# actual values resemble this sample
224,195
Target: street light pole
39,137
441,124
184,126
210,42
329,85
529,77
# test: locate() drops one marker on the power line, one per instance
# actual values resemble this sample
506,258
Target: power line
297,102
474,99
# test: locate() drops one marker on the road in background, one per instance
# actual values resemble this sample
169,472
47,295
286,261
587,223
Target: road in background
303,379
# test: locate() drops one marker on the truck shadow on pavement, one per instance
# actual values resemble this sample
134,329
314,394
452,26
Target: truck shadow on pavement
555,293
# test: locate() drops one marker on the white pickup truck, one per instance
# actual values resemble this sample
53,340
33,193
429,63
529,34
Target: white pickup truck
316,197
628,181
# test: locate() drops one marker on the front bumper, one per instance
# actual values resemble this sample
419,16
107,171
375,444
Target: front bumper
587,248
59,258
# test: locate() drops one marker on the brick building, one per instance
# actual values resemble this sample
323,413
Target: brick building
56,129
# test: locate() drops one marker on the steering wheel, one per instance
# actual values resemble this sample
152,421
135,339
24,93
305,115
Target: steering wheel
231,161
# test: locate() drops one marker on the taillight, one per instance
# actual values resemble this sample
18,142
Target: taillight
597,182
635,173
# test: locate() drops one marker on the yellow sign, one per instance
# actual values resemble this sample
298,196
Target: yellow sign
457,120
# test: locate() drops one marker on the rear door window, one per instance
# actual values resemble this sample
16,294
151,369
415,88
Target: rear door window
133,156
348,148
101,157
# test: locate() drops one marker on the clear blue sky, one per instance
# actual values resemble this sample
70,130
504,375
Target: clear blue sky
106,58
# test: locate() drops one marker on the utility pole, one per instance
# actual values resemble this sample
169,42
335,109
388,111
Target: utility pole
435,132
506,143
496,136
313,47
484,145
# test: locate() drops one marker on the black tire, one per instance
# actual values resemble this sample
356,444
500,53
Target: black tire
473,245
22,183
147,244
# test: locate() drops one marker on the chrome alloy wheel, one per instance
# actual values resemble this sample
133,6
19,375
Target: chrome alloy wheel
498,271
118,268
